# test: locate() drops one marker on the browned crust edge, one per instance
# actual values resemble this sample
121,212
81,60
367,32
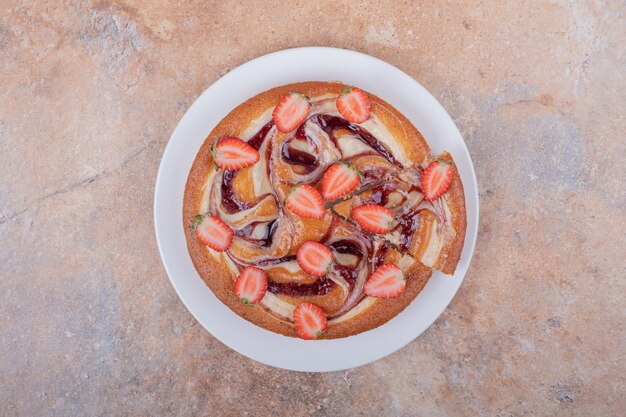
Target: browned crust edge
217,275
455,198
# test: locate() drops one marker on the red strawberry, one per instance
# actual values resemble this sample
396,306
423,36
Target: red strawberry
339,180
436,179
291,111
373,218
233,153
314,258
310,321
212,232
251,285
386,282
305,201
354,104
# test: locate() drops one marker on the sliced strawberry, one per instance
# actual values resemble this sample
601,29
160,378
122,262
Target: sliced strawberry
310,321
314,258
305,201
291,111
436,179
233,153
373,218
339,180
212,232
354,104
387,281
251,285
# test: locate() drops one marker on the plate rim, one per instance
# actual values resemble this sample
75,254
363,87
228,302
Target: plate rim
470,241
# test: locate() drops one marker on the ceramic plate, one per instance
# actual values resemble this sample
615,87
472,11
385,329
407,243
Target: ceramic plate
256,76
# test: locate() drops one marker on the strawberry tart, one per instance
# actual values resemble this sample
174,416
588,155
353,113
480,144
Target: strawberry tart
316,210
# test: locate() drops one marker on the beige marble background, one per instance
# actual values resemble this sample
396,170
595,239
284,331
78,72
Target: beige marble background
89,95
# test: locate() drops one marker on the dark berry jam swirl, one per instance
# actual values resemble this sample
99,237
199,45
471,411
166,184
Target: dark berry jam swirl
329,124
321,286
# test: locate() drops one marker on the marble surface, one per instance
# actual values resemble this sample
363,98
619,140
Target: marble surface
89,95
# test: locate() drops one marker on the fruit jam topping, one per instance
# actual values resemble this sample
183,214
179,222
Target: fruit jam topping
294,151
321,286
229,200
330,124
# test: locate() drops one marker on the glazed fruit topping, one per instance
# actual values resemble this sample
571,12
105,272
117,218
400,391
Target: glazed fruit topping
212,232
310,321
387,281
251,285
314,258
305,201
232,153
291,111
373,218
354,104
339,180
436,179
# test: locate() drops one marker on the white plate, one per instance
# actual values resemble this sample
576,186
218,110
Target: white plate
251,78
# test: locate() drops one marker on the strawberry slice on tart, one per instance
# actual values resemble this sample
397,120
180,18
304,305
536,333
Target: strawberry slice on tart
292,109
232,153
373,218
387,281
339,180
314,258
212,232
354,105
310,321
436,179
305,201
251,285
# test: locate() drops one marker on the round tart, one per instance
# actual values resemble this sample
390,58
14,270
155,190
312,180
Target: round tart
316,210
